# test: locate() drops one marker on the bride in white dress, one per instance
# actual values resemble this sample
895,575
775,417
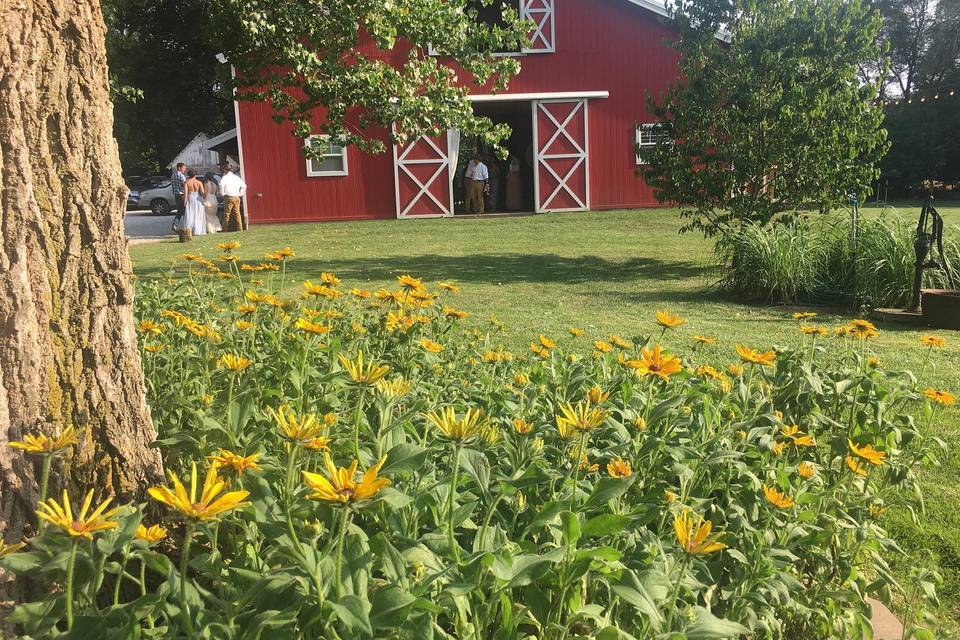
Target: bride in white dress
194,213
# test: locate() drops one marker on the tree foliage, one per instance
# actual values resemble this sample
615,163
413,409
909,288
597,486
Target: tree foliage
770,117
307,59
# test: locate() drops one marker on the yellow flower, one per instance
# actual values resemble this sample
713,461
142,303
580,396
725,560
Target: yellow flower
42,445
210,505
755,357
596,395
656,363
619,468
281,254
321,290
539,350
243,325
229,257
576,332
393,389
83,526
876,511
313,328
706,371
804,315
299,428
457,314
862,329
359,293
639,423
458,429
813,331
233,362
152,348
873,361
150,535
521,379
522,426
940,396
735,370
237,462
449,286
430,345
704,339
778,448
339,484
329,278
799,438
320,443
246,309
617,341
602,347
859,467
932,341
149,326
361,373
7,549
867,452
669,320
776,498
547,343
806,470
233,245
410,283
694,536
669,496
583,417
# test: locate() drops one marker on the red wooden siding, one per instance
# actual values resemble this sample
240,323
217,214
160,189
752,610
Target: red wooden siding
601,45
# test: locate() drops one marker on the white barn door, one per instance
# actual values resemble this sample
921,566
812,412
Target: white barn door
423,177
541,13
561,163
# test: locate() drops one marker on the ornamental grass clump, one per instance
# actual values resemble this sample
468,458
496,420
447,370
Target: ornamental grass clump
378,466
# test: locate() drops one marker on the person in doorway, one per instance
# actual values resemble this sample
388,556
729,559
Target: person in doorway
232,188
177,179
493,184
194,215
210,203
475,179
514,185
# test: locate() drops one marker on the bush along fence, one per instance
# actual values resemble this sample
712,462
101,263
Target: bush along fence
349,464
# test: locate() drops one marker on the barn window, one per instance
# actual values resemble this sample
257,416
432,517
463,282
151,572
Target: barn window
539,12
332,160
648,135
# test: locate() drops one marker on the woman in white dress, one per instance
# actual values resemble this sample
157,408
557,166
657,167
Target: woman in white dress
194,214
210,203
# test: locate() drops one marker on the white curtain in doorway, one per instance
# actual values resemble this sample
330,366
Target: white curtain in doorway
453,144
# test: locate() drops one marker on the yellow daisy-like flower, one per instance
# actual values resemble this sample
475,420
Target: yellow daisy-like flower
694,535
806,470
735,370
320,443
539,350
246,309
152,348
602,347
876,511
339,485
940,396
321,290
229,257
233,245
705,371
547,343
639,423
430,345
210,505
522,426
704,339
778,448
619,342
808,330
576,332
456,314
409,283
862,329
312,328
596,395
83,525
393,389
752,356
873,362
7,549
359,293
458,429
867,452
932,341
363,373
41,444
521,379
235,461
242,325
329,278
233,362
654,362
670,497
449,286
583,417
669,320
151,534
776,498
149,326
619,468
299,428
856,465
804,315
281,254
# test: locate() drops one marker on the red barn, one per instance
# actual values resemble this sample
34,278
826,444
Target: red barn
574,111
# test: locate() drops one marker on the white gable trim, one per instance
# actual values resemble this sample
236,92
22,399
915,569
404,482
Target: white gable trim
662,10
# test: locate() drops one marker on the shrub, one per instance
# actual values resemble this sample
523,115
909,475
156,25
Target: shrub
605,490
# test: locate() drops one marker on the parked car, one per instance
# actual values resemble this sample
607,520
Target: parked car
157,197
149,185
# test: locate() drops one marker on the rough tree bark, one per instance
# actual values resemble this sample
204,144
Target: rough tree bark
68,352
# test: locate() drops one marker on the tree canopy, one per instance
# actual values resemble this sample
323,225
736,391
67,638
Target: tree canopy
770,117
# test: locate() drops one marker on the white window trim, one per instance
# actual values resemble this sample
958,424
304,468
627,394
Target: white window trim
320,174
639,145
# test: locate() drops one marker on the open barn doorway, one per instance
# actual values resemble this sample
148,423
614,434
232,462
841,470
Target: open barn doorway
510,187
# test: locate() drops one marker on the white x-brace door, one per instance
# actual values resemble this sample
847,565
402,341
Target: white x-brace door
423,177
561,144
541,13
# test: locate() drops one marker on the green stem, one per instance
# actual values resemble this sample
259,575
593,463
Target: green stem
672,602
344,523
116,586
45,476
69,586
358,414
291,465
184,560
576,463
143,588
451,501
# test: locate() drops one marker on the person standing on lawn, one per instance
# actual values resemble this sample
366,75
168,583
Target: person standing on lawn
177,179
232,188
475,180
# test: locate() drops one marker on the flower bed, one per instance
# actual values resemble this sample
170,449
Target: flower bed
348,463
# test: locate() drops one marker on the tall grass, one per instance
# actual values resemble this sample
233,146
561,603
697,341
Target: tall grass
818,262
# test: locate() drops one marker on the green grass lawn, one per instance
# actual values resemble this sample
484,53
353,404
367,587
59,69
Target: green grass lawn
607,272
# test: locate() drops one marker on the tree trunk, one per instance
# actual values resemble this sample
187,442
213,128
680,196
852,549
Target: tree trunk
68,353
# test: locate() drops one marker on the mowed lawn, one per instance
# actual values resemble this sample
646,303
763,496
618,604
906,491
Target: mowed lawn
607,272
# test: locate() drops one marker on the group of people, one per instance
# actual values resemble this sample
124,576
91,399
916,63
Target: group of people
482,181
195,201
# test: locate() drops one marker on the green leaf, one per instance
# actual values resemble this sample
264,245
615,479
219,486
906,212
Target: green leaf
709,627
632,592
607,489
570,525
604,525
404,458
389,607
353,612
